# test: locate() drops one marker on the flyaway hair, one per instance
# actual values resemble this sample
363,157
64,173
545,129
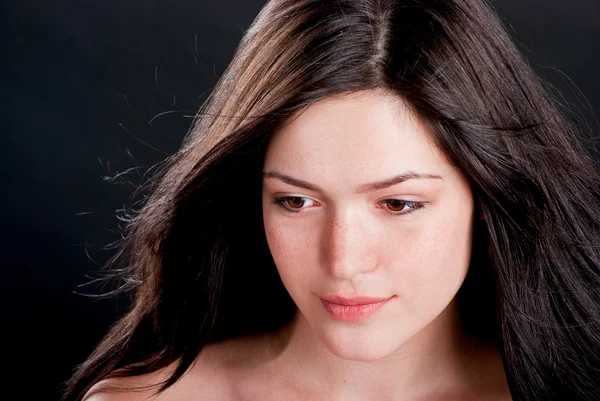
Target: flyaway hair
534,279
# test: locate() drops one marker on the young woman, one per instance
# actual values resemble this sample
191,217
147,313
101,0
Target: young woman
380,200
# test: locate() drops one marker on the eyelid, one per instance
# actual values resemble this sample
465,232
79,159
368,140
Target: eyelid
416,205
279,201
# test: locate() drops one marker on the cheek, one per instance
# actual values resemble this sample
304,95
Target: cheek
433,262
291,252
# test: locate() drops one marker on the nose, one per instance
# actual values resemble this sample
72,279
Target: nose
347,244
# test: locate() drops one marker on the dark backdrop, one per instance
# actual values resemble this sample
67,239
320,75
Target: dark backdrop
91,89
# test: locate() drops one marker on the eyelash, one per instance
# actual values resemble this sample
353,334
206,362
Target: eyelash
415,205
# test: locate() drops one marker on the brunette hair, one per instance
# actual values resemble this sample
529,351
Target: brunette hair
196,273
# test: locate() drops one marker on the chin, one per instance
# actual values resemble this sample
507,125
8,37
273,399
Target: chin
365,346
358,353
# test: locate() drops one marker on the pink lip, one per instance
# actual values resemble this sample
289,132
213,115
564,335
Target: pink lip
354,309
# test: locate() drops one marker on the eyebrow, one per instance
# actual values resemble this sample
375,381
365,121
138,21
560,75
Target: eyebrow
373,186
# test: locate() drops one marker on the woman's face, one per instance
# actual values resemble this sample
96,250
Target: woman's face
335,234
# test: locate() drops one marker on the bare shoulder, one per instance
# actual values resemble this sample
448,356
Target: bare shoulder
218,373
121,388
206,379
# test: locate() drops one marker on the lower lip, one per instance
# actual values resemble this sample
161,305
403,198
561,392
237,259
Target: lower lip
353,313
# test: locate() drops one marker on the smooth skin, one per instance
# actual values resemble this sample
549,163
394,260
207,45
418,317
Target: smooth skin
331,232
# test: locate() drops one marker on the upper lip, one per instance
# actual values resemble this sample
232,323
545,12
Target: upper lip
352,301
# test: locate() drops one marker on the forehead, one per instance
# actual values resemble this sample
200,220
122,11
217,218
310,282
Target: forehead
368,134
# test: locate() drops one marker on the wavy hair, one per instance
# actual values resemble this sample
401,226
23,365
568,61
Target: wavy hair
196,270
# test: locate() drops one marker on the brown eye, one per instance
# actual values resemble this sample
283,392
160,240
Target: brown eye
395,205
292,204
295,202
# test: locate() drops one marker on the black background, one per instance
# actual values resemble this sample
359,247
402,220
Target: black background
91,89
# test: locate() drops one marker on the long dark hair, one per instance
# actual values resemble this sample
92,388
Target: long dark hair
197,264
